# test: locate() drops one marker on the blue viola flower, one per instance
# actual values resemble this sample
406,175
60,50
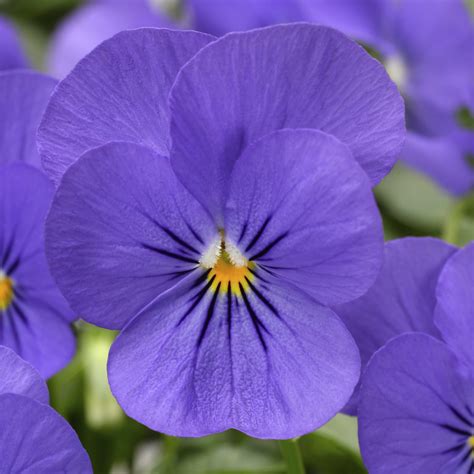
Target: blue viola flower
237,211
427,49
401,300
12,55
416,409
34,317
33,437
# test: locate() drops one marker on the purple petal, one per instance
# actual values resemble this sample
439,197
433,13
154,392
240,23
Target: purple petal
414,412
246,85
35,439
117,92
301,207
36,323
12,55
364,20
122,230
267,361
455,309
402,299
219,17
441,159
22,102
17,376
92,24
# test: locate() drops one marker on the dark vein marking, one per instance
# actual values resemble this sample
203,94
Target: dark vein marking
6,253
262,298
253,316
210,313
242,232
20,312
229,311
456,430
197,298
11,269
195,234
460,416
169,254
267,249
178,240
200,279
258,234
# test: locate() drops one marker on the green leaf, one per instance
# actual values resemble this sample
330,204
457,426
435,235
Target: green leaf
459,227
414,201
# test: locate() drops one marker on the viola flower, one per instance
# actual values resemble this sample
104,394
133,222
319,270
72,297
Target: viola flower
217,239
428,52
11,51
34,317
406,285
33,437
416,411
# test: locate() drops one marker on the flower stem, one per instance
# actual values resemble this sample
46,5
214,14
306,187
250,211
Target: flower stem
292,456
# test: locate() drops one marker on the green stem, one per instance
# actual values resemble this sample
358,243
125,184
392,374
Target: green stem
291,454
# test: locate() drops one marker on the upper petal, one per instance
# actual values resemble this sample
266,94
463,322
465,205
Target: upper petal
88,26
267,361
117,92
35,439
455,309
17,376
302,208
415,411
121,230
246,85
23,99
401,300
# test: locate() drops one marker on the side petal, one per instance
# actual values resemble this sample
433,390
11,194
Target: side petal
246,85
12,55
34,438
120,231
23,99
36,322
455,309
92,24
401,300
302,208
415,412
267,361
117,92
17,376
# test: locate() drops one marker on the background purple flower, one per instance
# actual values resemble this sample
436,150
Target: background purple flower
219,286
34,317
428,52
402,299
416,404
95,22
11,51
33,437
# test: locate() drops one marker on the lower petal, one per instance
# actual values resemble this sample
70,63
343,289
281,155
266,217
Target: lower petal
265,360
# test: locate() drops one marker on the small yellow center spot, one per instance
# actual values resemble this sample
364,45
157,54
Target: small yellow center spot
6,292
470,442
226,273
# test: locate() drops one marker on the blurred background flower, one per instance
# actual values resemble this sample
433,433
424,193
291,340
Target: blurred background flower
427,194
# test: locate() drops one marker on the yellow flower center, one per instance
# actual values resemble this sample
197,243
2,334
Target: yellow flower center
228,273
470,442
6,292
